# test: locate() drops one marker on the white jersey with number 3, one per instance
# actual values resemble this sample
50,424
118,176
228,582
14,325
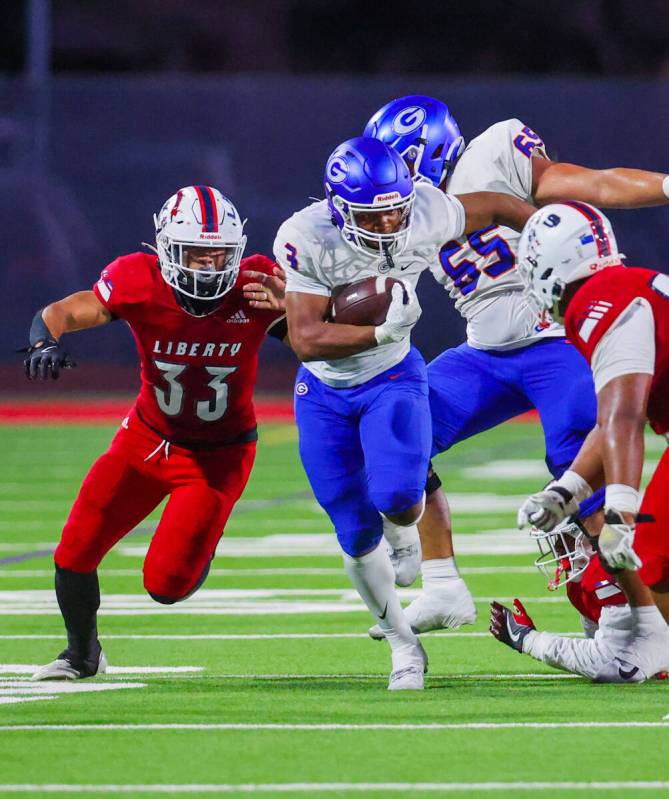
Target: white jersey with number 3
317,260
479,271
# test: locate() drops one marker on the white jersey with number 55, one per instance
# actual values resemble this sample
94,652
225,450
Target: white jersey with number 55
479,271
317,260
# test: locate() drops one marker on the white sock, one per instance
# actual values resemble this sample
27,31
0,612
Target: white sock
649,620
401,535
373,578
437,572
398,535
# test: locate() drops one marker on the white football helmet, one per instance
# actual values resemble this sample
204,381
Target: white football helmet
560,244
199,217
564,552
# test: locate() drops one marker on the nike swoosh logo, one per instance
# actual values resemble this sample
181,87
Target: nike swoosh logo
513,636
627,675
406,266
383,615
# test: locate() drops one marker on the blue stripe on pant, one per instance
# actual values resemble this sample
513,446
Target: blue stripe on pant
365,449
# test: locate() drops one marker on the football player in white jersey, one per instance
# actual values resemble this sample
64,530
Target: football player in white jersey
624,641
513,359
361,396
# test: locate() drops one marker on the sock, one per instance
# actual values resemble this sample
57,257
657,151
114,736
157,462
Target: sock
373,578
437,572
649,620
79,599
397,535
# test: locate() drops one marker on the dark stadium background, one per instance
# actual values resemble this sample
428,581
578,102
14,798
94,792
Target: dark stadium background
107,108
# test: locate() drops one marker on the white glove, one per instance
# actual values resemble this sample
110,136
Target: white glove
615,542
401,316
547,508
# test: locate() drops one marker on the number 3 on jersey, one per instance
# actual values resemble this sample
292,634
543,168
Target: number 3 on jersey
463,271
171,400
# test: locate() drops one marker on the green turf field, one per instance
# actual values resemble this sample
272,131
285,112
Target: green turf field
265,682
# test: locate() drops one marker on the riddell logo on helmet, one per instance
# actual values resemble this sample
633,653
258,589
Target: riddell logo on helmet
210,236
384,198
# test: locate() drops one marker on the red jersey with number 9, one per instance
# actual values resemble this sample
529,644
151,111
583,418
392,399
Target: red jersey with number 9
198,373
600,302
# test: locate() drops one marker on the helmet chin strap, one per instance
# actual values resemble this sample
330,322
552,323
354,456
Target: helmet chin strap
387,255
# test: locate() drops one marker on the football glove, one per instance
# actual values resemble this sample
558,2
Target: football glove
511,627
615,542
547,508
45,360
401,317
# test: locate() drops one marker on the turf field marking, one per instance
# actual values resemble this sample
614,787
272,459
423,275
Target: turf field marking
519,469
279,572
30,668
225,602
332,787
14,691
236,636
432,727
506,541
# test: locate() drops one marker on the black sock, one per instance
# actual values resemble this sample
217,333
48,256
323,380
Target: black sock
79,599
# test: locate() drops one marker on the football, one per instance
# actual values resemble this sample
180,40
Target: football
364,302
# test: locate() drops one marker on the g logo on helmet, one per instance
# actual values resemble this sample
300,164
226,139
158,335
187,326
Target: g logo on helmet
337,169
408,120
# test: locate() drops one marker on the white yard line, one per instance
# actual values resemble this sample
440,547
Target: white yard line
433,727
31,668
335,787
239,636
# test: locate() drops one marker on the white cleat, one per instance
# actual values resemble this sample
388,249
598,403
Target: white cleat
409,675
62,669
448,608
406,559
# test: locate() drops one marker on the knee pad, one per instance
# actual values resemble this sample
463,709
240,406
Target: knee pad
170,598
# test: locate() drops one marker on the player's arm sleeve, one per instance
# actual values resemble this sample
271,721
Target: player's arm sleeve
293,255
628,347
516,146
444,216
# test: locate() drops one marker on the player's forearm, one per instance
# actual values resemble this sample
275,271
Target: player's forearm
486,208
622,449
77,312
588,463
321,341
618,187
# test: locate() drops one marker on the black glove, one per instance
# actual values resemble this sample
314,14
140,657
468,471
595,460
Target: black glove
45,360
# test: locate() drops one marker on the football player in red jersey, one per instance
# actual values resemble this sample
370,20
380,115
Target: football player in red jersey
617,647
191,434
618,318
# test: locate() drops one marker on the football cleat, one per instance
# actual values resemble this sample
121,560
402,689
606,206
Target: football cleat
409,675
447,608
406,561
66,668
511,627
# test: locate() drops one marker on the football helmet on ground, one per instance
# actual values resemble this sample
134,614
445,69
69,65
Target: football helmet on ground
199,241
560,244
364,178
422,130
564,552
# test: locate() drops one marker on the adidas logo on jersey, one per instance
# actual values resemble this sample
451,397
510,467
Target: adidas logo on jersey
596,311
239,317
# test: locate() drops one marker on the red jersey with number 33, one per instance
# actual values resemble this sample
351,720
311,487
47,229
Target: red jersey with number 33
198,373
599,303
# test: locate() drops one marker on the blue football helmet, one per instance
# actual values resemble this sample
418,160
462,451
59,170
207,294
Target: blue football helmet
364,175
423,132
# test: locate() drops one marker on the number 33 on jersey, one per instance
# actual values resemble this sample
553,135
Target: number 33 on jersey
198,372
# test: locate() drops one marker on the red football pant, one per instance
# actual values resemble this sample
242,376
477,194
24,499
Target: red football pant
122,488
651,539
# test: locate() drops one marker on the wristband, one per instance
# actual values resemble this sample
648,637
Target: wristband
622,498
39,332
575,484
665,186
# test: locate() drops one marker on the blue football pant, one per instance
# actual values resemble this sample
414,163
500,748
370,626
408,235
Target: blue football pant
365,449
475,390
